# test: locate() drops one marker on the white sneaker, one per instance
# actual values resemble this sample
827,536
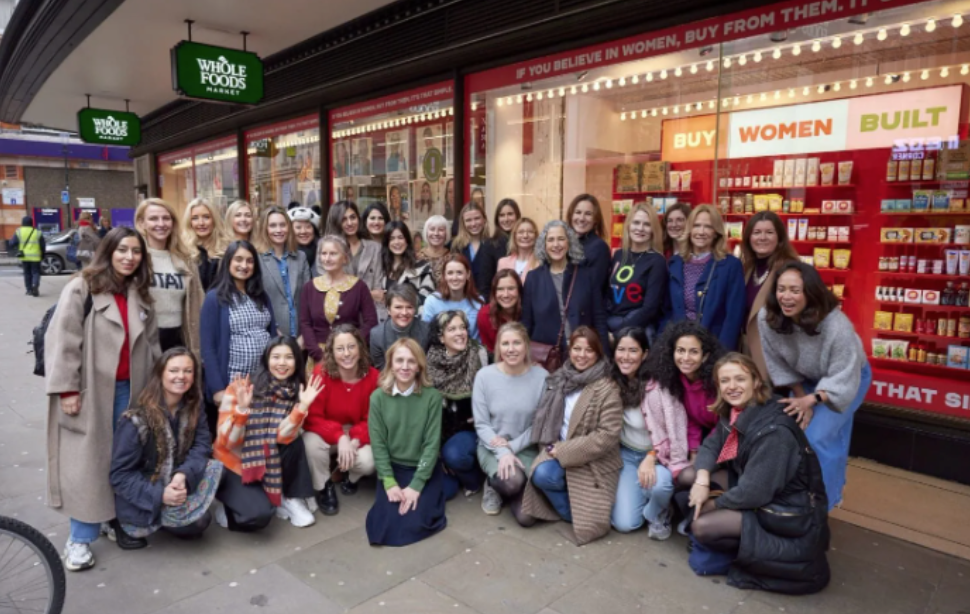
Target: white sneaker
219,514
296,511
311,504
78,557
660,530
682,527
491,501
108,532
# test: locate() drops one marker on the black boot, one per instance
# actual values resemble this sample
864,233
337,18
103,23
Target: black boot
125,541
327,500
347,487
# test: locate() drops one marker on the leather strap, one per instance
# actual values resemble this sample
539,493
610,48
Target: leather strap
565,306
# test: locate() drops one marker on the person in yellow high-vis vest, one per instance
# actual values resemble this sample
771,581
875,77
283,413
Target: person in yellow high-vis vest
28,244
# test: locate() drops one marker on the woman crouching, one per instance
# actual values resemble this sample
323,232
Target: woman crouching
160,468
775,515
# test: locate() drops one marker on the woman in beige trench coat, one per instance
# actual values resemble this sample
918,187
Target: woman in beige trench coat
577,425
89,383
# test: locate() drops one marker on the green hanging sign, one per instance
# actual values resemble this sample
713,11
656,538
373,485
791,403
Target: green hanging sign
217,73
107,127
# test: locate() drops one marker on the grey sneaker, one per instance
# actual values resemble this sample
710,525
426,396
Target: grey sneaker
660,530
491,501
78,557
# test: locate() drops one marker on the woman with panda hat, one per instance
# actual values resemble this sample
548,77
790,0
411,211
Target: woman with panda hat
306,224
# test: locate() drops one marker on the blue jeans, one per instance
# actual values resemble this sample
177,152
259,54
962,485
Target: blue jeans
459,455
634,504
87,532
830,433
550,478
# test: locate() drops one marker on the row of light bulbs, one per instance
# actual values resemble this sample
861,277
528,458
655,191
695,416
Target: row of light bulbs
395,123
837,86
290,140
881,34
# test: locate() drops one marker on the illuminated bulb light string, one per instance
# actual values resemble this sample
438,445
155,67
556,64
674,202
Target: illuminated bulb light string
822,88
398,122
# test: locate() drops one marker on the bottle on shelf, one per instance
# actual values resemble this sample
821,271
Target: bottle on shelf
963,295
948,296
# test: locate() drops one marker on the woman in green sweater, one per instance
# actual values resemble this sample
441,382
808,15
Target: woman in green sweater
405,434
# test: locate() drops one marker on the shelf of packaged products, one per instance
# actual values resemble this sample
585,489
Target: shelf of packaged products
929,337
923,276
911,244
779,214
621,195
732,240
830,270
910,184
803,187
924,306
909,365
925,213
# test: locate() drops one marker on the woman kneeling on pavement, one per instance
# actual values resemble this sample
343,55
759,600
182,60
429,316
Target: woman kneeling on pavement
258,442
577,424
160,467
100,346
774,518
653,442
337,422
405,434
504,404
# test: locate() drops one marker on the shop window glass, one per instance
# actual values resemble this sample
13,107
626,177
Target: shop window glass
176,178
397,150
207,170
284,163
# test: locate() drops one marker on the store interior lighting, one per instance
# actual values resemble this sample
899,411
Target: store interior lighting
430,115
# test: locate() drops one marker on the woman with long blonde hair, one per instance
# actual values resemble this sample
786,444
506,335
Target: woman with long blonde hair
240,221
473,243
285,268
204,236
707,283
638,274
522,248
176,288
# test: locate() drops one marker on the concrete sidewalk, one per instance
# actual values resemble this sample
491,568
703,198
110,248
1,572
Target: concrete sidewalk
480,563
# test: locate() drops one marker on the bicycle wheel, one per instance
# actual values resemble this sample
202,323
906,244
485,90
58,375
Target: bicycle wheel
31,572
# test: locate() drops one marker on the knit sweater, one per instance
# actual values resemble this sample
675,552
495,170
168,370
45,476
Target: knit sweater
168,289
505,405
339,405
833,359
405,430
638,287
434,305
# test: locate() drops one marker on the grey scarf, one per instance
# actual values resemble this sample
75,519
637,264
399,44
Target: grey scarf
552,405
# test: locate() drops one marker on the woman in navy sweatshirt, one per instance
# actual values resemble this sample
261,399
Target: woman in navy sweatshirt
638,279
585,217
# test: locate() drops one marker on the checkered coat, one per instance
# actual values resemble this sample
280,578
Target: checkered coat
591,457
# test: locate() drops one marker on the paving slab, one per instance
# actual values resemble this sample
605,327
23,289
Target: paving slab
412,596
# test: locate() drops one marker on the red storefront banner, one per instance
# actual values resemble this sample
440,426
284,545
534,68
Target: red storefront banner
298,124
753,22
402,100
950,396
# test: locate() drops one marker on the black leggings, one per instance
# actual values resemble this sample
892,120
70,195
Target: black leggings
511,492
718,529
247,506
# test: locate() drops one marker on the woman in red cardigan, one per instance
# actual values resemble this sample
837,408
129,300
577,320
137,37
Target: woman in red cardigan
504,306
333,298
337,422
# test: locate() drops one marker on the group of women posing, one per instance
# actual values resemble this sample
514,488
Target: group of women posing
458,404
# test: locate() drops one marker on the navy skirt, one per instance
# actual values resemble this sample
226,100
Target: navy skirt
387,527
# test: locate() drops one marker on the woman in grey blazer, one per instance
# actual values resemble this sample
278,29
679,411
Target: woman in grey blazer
365,255
285,268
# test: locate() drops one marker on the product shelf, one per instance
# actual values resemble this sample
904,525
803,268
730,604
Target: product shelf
926,213
620,195
952,308
944,245
784,215
890,363
922,276
731,240
910,184
804,187
932,337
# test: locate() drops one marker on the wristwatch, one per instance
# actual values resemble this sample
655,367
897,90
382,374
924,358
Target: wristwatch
818,398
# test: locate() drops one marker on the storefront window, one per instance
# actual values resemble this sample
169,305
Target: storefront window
397,150
850,125
207,170
284,163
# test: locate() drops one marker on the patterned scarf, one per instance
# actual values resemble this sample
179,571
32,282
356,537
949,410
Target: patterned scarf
170,451
730,450
260,455
552,404
453,376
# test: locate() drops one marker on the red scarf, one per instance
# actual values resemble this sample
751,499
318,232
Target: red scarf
730,450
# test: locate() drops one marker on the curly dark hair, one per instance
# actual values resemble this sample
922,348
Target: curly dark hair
819,302
660,362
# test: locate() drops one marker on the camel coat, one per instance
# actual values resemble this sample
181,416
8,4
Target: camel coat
751,339
192,311
81,355
591,457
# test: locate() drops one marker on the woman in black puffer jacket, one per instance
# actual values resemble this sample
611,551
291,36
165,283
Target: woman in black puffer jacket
774,514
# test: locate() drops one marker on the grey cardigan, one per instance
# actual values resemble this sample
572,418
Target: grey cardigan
370,268
833,359
299,273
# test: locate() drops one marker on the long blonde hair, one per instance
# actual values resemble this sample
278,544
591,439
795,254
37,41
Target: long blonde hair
718,246
215,244
464,238
261,231
422,380
231,212
657,238
174,244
